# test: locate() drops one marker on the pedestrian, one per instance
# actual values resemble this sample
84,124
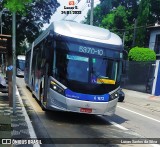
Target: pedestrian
2,81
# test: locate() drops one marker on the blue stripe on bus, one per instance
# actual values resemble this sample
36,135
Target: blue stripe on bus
86,97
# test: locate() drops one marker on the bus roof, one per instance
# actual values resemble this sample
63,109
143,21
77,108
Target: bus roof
81,31
86,32
21,57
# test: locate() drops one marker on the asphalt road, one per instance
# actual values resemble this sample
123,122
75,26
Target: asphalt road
124,124
139,113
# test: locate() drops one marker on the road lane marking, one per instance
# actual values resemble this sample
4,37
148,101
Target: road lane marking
125,129
139,114
113,123
117,125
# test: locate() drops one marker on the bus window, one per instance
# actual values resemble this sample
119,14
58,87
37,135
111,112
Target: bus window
77,68
104,69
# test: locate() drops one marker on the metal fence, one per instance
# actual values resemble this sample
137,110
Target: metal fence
138,76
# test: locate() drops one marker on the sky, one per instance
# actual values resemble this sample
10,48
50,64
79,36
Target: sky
82,6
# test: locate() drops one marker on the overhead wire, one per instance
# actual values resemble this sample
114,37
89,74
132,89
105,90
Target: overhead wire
138,27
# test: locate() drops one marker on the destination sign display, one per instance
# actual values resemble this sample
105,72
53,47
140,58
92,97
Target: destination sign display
88,49
91,50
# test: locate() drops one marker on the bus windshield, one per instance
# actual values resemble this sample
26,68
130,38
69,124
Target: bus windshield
104,71
93,71
21,64
87,69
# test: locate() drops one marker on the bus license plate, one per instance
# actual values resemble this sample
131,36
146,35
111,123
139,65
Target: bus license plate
86,110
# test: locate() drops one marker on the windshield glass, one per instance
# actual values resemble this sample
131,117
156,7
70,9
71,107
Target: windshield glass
77,68
73,67
104,71
85,66
21,64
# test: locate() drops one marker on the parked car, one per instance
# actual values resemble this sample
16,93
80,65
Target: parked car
121,96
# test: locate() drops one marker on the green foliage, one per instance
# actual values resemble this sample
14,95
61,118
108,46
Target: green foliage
154,15
141,54
117,21
16,5
99,12
108,21
117,16
29,26
142,20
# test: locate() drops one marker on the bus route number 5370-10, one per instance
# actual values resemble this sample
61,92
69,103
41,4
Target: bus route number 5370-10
90,50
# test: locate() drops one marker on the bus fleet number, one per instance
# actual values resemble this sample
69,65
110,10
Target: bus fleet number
90,50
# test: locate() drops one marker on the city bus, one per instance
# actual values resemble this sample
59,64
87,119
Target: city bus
75,67
20,65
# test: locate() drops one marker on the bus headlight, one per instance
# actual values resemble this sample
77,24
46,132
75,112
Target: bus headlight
114,96
56,87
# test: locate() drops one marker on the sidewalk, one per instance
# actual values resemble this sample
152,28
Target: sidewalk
12,125
145,100
139,94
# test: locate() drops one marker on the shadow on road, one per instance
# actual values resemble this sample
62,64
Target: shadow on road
79,118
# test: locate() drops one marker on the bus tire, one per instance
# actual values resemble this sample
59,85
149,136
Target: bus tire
42,107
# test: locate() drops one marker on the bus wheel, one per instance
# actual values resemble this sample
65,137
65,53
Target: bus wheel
42,107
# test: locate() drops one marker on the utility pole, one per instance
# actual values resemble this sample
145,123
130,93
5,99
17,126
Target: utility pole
134,34
124,34
1,19
91,15
14,59
1,34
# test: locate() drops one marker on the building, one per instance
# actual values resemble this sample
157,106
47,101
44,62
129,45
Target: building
154,40
154,44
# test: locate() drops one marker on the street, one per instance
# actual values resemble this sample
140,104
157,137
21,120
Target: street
136,117
142,115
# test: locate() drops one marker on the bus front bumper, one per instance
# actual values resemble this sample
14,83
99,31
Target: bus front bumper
62,103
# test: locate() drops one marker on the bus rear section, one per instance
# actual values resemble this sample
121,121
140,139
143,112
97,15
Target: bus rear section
20,65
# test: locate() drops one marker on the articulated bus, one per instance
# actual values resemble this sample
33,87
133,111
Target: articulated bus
76,68
20,65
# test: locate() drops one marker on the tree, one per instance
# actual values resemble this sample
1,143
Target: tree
99,12
30,22
154,15
117,22
143,15
117,16
108,14
16,5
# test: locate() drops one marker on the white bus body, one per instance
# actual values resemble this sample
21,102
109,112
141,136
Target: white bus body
20,65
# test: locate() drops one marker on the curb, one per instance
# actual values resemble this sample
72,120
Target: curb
31,131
